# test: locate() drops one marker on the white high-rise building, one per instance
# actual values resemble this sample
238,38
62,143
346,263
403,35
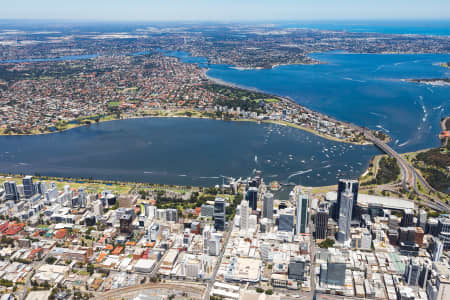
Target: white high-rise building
206,236
150,211
161,214
98,208
82,196
52,194
422,220
252,222
21,190
213,247
366,239
66,188
244,215
437,247
42,186
345,216
192,268
266,251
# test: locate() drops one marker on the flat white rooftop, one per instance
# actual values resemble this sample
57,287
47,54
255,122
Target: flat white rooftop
365,200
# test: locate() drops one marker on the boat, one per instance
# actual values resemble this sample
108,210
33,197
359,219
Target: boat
275,185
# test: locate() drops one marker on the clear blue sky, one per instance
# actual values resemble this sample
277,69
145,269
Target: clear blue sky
224,10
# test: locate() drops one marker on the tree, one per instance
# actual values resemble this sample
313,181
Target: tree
50,260
326,244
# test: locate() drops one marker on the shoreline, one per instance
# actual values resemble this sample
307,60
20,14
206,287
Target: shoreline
289,99
219,82
312,63
236,86
112,184
280,123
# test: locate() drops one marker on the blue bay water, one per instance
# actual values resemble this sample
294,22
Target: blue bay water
421,27
184,151
365,89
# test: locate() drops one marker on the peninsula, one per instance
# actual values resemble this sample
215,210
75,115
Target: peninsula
52,96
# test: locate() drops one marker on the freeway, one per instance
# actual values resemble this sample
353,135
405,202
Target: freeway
409,174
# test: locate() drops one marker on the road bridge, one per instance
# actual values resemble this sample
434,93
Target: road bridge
408,173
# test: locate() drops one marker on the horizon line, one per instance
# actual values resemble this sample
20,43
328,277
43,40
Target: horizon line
223,20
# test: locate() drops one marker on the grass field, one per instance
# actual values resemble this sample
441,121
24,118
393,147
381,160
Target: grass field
113,103
271,100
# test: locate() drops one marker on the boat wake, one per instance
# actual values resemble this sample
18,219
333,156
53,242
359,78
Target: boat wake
299,173
382,128
378,115
351,79
379,68
404,144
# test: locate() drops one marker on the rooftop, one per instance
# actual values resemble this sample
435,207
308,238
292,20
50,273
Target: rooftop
384,202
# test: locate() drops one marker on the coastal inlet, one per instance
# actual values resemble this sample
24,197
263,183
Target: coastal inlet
185,152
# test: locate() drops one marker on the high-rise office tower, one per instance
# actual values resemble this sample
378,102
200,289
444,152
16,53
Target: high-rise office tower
412,272
219,214
301,213
171,215
321,223
11,191
41,187
343,185
296,269
335,270
28,187
285,222
437,248
443,230
407,219
425,274
268,206
432,227
244,215
82,196
98,208
252,197
422,220
345,216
